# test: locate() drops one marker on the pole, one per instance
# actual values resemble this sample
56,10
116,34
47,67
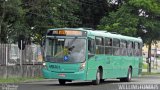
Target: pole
6,56
6,61
156,56
21,60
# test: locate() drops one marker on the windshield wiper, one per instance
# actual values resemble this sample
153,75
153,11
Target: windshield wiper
71,48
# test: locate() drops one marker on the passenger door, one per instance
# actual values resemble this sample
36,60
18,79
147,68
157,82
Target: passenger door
91,59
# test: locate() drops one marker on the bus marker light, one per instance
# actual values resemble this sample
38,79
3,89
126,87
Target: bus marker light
82,66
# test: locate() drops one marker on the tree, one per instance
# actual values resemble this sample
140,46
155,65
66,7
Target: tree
150,11
44,14
135,18
91,12
122,21
10,13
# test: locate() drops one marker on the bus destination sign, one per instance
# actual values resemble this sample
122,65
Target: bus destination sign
67,33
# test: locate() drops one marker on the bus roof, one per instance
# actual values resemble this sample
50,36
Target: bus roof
102,33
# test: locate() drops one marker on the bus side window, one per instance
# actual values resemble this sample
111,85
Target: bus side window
91,46
137,49
99,45
116,46
130,48
108,46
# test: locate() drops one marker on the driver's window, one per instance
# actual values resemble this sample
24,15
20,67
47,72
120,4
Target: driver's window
91,46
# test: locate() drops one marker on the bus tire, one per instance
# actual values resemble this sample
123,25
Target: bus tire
102,80
129,76
97,81
62,82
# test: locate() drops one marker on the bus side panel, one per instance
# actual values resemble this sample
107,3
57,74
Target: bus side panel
93,64
115,63
114,67
107,67
91,68
136,66
124,65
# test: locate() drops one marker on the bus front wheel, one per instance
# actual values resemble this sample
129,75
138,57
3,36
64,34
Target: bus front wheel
129,76
97,81
62,82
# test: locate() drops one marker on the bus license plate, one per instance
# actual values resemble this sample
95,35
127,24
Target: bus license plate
61,75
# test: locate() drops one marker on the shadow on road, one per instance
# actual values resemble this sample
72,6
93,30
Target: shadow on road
87,83
109,84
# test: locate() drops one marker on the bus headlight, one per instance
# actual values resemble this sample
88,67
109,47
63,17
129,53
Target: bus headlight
44,65
82,66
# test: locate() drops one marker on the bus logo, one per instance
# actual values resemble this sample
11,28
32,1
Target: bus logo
66,58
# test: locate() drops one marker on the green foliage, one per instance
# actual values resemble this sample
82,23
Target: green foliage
10,14
91,12
147,5
135,18
122,21
44,14
33,17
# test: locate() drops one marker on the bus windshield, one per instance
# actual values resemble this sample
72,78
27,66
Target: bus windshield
65,50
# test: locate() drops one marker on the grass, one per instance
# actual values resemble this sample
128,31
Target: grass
18,80
144,66
147,73
158,58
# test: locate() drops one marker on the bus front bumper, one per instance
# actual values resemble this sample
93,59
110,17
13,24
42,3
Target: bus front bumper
81,75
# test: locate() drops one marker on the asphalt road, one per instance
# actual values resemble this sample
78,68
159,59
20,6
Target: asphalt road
140,83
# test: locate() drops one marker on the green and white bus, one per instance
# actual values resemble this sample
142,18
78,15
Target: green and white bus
81,54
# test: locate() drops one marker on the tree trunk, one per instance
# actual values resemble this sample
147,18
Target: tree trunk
0,33
1,21
149,57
